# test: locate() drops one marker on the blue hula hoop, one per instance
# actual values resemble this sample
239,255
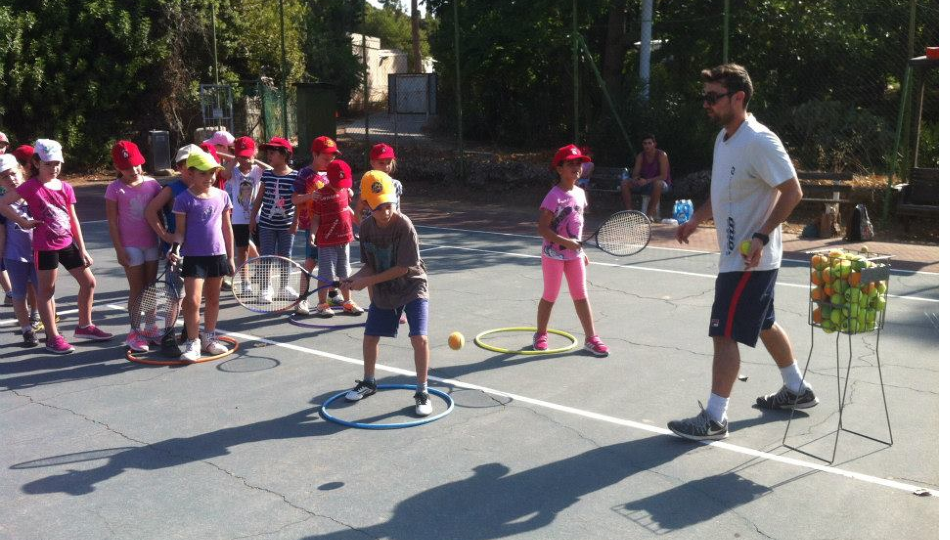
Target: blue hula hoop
360,425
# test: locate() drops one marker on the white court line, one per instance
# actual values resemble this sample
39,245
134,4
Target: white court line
910,488
665,271
530,237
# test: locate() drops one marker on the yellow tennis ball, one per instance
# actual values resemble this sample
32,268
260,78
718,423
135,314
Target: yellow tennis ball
456,340
745,247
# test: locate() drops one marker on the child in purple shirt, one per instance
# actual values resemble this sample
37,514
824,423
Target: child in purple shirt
203,227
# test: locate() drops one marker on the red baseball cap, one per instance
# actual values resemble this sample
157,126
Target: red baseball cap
23,153
568,153
209,148
382,151
126,154
339,174
277,142
324,145
245,147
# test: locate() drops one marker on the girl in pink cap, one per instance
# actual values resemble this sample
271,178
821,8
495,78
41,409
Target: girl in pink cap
57,239
135,243
561,226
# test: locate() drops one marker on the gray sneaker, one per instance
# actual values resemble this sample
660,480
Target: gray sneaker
786,399
700,427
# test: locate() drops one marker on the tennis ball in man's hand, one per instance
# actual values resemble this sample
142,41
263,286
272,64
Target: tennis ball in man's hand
456,340
745,247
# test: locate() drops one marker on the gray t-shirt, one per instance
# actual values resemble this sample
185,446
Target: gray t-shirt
746,170
395,245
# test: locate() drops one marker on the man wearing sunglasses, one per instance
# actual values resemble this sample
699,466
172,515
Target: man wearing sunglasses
754,189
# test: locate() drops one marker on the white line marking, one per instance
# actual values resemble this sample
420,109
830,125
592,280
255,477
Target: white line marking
910,488
664,271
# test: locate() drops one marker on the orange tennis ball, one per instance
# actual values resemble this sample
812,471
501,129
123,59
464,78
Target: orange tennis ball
456,340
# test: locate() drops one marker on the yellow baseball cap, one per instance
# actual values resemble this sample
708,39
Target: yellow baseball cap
377,188
202,161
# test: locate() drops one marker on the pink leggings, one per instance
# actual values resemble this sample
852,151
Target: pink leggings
576,273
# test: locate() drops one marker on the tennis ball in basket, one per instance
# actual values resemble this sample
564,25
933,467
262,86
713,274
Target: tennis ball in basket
745,247
456,340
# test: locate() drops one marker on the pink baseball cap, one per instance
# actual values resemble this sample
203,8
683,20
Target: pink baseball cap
3,138
382,151
126,155
222,138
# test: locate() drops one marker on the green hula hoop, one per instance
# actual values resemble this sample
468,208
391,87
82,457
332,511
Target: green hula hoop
480,343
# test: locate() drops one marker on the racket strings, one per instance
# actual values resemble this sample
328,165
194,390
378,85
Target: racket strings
264,284
158,305
624,233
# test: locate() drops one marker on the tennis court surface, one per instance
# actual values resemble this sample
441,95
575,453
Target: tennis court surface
557,446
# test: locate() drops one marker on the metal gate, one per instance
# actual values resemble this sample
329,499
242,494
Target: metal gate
217,106
412,93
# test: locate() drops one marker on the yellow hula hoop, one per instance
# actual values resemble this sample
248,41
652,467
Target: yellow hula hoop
133,357
482,344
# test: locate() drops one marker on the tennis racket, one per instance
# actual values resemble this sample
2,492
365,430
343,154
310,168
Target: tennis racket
264,285
625,233
160,303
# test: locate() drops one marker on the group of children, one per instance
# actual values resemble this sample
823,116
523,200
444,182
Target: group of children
212,209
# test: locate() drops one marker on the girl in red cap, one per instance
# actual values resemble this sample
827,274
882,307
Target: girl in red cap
274,212
135,243
561,226
244,180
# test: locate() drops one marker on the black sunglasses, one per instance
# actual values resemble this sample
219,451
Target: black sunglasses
712,98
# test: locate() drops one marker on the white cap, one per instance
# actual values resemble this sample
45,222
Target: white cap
8,162
186,151
48,150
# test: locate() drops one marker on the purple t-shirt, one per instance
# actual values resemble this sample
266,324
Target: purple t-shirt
51,208
203,236
19,246
134,230
568,210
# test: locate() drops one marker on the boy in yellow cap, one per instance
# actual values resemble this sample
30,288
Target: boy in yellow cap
393,268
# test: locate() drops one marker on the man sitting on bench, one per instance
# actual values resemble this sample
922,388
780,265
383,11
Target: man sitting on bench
650,177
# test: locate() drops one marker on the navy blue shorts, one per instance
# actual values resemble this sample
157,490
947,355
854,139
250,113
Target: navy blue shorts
385,322
744,305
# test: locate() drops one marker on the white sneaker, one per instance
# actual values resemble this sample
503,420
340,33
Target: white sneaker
423,404
192,351
267,295
303,308
211,345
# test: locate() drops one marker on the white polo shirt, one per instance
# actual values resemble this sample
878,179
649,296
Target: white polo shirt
746,170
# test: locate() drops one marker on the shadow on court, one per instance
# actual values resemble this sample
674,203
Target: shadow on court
494,504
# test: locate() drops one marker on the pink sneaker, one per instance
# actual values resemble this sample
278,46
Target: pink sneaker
136,341
58,345
92,332
596,346
541,341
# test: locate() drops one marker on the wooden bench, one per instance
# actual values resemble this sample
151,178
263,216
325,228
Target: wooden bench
920,196
835,193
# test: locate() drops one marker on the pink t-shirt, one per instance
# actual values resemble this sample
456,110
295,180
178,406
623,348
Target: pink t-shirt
568,210
51,208
134,230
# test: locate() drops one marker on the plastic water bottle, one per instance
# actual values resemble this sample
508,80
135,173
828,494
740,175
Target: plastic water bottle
689,209
679,211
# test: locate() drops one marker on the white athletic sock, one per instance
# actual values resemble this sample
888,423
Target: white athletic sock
716,407
792,376
423,387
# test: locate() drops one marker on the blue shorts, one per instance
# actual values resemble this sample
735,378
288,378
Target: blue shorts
21,274
647,189
744,305
385,322
312,251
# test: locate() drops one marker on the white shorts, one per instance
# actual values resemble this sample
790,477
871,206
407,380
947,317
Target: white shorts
139,256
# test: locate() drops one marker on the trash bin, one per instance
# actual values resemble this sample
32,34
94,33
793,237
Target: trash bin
316,116
159,151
